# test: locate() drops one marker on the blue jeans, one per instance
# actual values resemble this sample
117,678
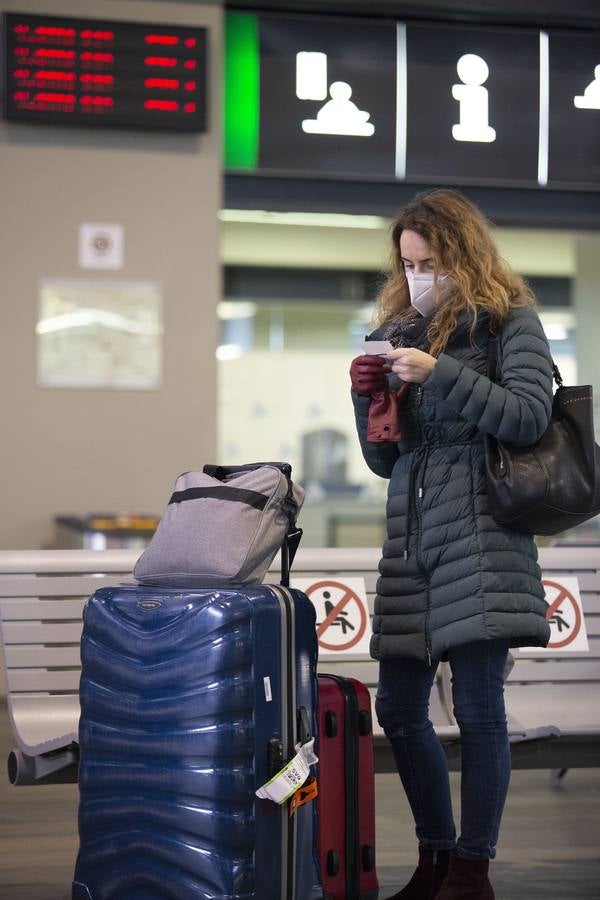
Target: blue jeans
402,708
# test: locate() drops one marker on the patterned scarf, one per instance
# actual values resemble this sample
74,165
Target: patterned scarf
409,331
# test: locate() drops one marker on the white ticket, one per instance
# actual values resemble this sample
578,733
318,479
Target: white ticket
293,775
376,348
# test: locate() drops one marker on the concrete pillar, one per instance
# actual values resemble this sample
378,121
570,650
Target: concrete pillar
586,303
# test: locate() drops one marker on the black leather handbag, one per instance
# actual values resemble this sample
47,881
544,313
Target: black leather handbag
553,484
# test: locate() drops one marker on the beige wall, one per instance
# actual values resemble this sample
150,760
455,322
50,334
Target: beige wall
86,450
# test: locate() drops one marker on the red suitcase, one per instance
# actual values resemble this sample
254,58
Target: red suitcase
346,801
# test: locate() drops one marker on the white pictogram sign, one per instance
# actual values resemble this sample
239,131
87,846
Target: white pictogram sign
311,76
343,624
590,99
565,616
100,246
340,115
474,124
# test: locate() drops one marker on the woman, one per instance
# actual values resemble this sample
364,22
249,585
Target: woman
453,583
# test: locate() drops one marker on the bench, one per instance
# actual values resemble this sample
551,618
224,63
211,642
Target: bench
553,704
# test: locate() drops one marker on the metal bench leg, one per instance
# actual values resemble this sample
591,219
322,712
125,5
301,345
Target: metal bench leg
56,767
556,777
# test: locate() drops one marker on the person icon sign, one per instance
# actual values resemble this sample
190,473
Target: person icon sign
474,125
340,115
591,96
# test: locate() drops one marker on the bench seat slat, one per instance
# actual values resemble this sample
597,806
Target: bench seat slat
563,705
61,586
589,582
552,669
590,602
29,656
594,651
39,610
366,670
592,625
590,599
35,633
556,670
549,692
31,680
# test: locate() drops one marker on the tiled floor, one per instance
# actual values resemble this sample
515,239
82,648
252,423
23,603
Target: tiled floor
549,848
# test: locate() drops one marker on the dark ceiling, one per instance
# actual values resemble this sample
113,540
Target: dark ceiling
567,13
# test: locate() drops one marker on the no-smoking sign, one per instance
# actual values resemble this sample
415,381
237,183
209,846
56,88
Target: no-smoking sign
565,617
343,624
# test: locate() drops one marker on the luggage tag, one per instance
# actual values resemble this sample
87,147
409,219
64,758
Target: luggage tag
305,794
293,775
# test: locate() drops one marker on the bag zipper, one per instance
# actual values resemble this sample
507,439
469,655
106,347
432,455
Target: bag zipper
428,652
418,501
428,603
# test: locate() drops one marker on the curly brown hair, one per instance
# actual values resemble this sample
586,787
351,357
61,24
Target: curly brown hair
462,247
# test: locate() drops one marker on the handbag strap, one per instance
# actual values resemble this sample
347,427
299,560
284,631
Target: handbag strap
493,358
494,366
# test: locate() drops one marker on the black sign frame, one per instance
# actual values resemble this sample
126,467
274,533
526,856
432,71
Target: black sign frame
530,183
145,120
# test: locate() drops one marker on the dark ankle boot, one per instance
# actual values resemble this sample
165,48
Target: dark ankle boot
467,879
427,877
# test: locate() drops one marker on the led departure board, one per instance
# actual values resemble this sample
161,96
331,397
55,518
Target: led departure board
99,73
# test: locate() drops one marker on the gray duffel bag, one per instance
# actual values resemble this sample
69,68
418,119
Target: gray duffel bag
224,525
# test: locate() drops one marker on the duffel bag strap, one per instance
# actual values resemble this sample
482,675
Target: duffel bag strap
223,472
294,534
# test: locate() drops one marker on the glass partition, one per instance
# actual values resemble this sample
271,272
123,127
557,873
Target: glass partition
284,393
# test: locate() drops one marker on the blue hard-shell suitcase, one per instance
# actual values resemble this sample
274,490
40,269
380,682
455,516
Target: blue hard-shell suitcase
190,701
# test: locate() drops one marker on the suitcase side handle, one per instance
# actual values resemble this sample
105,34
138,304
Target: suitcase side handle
275,760
331,724
304,729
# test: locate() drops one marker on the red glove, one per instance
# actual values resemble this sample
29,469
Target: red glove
368,375
384,415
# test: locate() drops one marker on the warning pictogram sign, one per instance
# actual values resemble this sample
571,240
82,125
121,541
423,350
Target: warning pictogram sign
343,623
565,616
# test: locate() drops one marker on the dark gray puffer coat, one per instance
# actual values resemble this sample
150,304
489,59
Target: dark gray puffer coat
450,574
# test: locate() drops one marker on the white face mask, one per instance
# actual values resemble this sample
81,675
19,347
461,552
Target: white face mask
422,296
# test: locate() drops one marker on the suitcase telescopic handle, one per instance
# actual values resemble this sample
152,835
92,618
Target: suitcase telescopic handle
304,729
288,551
